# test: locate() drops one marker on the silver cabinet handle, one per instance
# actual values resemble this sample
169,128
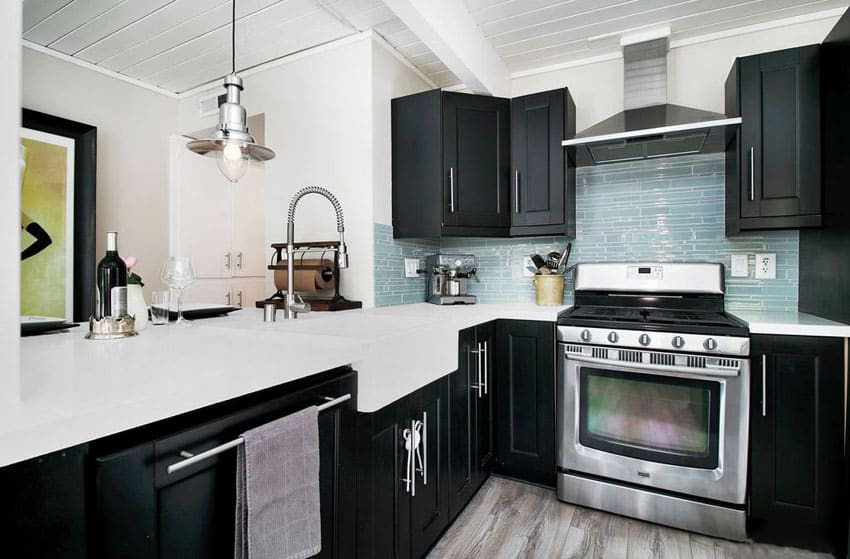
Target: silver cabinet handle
486,370
764,385
424,448
516,189
451,189
752,174
227,298
227,261
478,385
407,435
239,299
239,260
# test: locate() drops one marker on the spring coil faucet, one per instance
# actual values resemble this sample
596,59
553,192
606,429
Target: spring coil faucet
292,308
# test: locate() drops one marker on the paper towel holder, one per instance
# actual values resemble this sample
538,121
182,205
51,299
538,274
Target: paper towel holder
316,249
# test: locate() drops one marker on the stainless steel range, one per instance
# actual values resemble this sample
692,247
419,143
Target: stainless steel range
653,397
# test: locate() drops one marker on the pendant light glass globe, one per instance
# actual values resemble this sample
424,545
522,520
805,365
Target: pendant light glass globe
232,162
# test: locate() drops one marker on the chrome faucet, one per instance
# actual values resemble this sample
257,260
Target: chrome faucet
292,308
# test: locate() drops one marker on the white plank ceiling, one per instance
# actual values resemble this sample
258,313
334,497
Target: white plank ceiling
180,44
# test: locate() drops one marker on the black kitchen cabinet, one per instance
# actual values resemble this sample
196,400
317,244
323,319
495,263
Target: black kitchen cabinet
797,475
450,165
525,400
773,161
471,428
142,511
543,194
403,493
44,506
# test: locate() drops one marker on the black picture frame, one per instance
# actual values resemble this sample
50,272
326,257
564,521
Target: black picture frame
85,200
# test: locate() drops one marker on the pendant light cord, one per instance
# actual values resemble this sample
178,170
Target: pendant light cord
233,39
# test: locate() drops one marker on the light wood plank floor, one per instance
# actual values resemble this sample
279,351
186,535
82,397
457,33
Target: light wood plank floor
508,519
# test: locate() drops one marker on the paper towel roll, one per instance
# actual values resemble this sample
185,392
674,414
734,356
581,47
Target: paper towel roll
310,276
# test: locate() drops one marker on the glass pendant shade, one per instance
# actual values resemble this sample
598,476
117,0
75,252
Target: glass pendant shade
231,161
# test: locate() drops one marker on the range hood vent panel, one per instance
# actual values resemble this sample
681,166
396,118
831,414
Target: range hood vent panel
649,127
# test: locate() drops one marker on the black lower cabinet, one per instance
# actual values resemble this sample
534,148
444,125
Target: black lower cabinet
471,429
142,511
797,474
402,488
525,400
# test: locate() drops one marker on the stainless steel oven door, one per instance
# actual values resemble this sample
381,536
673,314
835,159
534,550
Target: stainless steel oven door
650,422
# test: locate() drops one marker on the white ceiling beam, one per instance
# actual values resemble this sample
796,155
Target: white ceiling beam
450,32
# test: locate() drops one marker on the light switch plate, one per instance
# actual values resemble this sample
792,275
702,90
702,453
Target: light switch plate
766,266
411,265
740,265
526,262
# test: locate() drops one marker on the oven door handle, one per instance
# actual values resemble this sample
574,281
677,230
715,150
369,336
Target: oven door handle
653,368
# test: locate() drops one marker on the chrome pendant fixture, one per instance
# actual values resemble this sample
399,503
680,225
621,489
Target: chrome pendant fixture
231,144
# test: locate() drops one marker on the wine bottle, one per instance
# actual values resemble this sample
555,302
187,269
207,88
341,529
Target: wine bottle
111,273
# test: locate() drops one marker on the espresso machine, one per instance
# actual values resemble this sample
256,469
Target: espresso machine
448,275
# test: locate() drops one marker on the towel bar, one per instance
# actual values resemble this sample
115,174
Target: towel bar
193,459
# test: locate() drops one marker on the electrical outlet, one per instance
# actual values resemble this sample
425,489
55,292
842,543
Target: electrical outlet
411,265
526,262
766,266
740,265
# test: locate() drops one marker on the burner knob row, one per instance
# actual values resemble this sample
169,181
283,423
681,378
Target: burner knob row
585,335
678,342
613,337
644,339
710,344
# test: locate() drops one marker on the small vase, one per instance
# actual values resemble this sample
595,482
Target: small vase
136,305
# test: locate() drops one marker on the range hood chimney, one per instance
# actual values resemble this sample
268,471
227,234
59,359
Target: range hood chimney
649,127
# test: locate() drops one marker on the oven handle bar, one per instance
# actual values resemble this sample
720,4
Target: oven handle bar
650,367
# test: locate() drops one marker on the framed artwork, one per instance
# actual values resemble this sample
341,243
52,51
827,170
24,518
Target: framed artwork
58,168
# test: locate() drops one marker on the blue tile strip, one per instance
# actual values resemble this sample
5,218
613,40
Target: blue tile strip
670,211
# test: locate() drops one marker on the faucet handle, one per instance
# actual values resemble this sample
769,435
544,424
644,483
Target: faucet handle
299,305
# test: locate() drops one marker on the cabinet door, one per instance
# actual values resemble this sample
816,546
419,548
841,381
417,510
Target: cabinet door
796,434
463,390
247,291
383,499
476,160
202,213
210,292
539,162
525,400
485,444
250,251
429,513
780,134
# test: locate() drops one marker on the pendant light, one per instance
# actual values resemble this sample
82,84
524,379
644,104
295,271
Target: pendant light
231,144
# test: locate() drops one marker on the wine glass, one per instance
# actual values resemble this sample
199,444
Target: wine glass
178,274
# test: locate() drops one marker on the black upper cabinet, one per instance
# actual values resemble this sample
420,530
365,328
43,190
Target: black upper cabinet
796,435
543,192
525,400
773,162
451,165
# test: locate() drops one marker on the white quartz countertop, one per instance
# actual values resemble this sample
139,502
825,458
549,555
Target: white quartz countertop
792,324
75,390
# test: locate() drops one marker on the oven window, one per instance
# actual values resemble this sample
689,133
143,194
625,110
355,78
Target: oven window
669,420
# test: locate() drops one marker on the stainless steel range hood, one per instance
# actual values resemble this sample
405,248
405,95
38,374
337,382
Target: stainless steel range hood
649,127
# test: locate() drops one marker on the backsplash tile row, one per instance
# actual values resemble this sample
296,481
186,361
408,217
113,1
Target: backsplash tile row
669,211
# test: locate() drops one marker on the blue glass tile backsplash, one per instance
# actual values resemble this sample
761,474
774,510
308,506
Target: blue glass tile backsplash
668,210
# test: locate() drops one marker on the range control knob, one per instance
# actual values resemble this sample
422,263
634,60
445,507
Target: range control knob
678,342
613,337
644,339
585,335
710,344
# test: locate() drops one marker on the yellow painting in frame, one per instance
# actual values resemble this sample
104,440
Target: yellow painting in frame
47,224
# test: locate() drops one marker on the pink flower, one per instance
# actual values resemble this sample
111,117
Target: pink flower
130,261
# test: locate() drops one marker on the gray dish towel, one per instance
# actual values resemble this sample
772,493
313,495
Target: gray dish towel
277,489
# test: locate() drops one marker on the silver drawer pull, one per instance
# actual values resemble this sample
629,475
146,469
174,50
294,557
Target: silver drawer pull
764,385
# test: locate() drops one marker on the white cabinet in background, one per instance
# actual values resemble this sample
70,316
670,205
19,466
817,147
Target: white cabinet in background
220,225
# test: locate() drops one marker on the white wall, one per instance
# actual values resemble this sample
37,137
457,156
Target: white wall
133,128
10,203
390,78
696,73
